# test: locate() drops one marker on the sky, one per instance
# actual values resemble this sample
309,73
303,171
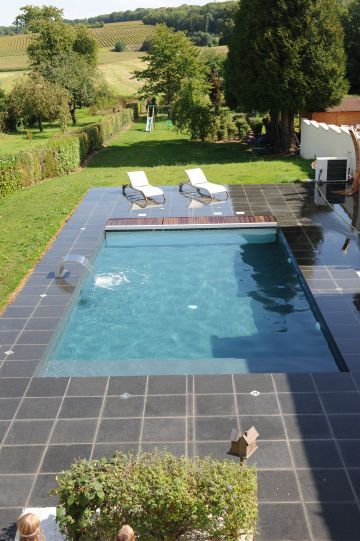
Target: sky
81,9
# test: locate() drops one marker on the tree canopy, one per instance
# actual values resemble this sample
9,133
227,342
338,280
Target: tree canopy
351,19
32,16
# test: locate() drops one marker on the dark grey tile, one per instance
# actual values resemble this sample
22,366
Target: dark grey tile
47,387
218,383
334,382
40,495
350,450
270,427
87,386
20,459
214,428
277,486
39,408
265,404
335,522
13,387
108,450
214,449
355,481
74,431
294,383
325,486
4,425
345,426
8,337
49,311
8,407
15,490
300,403
130,384
115,406
167,385
42,323
215,404
163,430
28,432
60,457
245,383
271,455
282,522
307,427
12,324
18,312
28,352
341,402
119,430
13,369
80,407
8,518
315,454
177,449
165,406
35,337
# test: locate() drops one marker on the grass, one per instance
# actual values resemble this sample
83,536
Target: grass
118,68
13,143
31,217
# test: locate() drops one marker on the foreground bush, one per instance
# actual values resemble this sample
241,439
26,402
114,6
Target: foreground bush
60,156
163,497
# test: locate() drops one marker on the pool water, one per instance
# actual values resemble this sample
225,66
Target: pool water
199,301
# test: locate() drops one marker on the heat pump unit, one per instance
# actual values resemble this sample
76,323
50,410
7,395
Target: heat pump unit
332,169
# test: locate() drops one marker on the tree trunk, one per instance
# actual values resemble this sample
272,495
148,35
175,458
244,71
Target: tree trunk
273,129
73,115
40,124
281,130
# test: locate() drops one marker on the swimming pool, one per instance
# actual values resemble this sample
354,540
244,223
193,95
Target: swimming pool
197,301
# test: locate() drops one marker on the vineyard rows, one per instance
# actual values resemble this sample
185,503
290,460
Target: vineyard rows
132,35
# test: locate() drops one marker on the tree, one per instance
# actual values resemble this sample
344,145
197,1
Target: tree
171,59
32,16
120,46
54,39
192,112
351,20
86,45
35,99
286,57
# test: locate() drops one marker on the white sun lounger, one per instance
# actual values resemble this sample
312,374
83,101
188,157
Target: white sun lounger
140,183
198,180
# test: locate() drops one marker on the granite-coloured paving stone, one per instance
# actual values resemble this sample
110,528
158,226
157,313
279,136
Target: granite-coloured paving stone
277,486
13,369
116,406
299,403
270,427
341,402
334,382
47,387
60,457
28,352
14,490
315,454
13,387
177,448
350,450
107,450
211,384
35,337
306,427
271,455
42,323
282,522
118,430
8,407
28,432
12,324
87,386
39,408
4,425
245,383
215,404
165,406
334,522
214,428
265,404
20,459
215,449
325,485
355,481
74,431
167,385
345,426
8,519
164,430
80,407
134,385
7,338
40,495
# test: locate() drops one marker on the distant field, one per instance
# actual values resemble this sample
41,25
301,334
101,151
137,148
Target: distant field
117,69
8,78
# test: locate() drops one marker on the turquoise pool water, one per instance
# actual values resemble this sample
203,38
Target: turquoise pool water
200,301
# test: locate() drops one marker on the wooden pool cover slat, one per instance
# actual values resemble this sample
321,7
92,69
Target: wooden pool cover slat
116,224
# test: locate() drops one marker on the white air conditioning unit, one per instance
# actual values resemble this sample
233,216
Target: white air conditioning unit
332,169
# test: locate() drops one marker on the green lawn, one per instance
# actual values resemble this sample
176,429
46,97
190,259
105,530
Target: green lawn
31,217
19,142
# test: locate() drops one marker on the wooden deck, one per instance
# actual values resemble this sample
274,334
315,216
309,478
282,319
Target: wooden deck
186,222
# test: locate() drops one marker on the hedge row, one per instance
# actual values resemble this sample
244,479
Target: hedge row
59,156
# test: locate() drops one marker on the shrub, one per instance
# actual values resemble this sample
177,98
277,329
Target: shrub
204,39
59,156
146,46
162,496
120,46
256,124
242,125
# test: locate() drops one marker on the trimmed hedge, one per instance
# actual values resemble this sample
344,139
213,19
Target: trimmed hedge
60,156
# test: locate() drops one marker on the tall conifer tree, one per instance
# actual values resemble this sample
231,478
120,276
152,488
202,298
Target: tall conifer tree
286,56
